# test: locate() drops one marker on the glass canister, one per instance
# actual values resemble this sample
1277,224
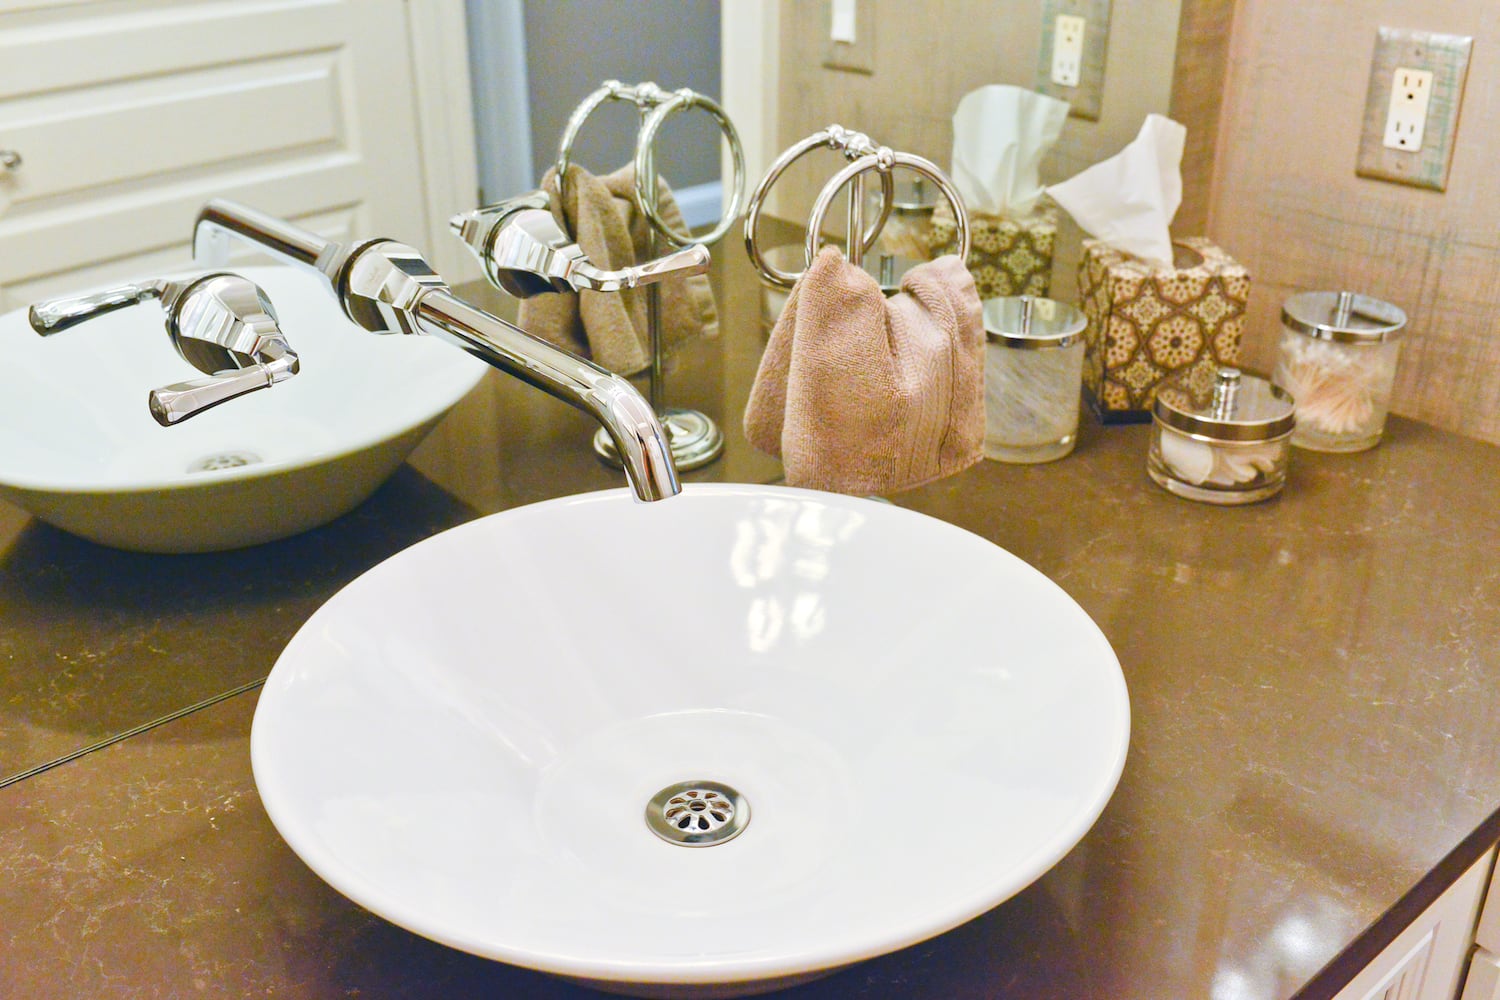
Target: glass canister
1226,443
908,229
1033,376
1337,358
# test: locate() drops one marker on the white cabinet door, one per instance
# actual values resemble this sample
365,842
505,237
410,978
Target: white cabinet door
129,115
1426,960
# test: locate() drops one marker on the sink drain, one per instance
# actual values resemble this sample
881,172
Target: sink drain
224,460
697,813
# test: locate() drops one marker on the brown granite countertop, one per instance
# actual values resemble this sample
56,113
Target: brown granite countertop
1314,753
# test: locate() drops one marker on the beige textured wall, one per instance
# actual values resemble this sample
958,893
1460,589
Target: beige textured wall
1287,202
929,54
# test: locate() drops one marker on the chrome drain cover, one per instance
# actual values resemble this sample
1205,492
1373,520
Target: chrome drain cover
224,460
697,813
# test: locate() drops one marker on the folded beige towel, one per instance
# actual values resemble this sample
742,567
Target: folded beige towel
858,393
610,327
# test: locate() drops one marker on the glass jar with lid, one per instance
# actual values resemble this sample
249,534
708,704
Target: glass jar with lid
1033,377
1337,358
1224,443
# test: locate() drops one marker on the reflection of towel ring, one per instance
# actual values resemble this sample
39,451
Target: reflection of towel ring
643,96
853,145
656,105
645,147
884,160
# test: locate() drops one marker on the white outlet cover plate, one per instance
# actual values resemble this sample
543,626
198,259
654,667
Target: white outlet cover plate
1431,131
1071,54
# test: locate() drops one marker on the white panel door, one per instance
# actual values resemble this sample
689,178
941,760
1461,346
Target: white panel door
129,114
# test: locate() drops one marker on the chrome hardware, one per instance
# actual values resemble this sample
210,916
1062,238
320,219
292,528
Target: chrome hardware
656,106
221,324
645,166
697,813
853,146
387,287
883,160
525,252
10,159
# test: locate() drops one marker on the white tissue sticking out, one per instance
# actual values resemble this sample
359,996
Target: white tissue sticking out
1128,200
1000,135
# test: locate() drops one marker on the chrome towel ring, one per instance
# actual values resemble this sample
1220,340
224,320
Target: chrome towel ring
885,160
853,145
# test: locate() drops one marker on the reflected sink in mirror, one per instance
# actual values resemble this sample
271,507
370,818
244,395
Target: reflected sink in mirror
80,450
873,725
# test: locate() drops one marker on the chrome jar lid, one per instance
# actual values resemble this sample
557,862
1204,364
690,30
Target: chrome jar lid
1236,407
1343,317
1030,322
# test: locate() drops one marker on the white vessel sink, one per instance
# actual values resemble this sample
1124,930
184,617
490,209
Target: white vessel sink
79,449
465,739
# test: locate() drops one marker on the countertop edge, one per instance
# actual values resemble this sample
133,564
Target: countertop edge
1364,949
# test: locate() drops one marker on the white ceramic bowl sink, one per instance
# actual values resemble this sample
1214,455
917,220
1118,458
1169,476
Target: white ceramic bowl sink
465,739
79,449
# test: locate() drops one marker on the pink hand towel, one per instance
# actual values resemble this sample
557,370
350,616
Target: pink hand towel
858,393
610,327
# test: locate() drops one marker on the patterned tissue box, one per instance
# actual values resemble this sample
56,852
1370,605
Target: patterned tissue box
1146,322
1006,256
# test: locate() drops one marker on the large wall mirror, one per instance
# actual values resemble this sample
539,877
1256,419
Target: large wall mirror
360,117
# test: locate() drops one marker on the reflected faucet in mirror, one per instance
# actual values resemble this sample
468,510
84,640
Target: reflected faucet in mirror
525,252
387,287
220,323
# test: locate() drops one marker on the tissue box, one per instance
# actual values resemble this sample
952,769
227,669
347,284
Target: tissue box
1006,256
1146,322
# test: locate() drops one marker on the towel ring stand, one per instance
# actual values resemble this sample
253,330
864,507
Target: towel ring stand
884,160
696,439
854,146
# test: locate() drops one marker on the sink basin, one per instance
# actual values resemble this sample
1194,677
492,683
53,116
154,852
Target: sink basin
79,449
468,739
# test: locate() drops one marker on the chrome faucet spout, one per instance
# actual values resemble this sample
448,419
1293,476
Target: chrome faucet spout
386,287
608,398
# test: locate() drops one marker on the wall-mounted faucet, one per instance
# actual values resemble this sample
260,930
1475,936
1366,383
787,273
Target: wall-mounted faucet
525,252
386,287
221,324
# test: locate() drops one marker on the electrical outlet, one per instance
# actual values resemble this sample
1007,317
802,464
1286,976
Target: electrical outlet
1411,90
1070,63
1067,49
1411,108
851,35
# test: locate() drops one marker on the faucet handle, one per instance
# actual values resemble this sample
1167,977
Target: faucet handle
56,315
174,403
689,260
222,324
525,252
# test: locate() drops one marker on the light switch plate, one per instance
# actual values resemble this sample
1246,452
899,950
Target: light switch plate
857,56
1057,62
1394,110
